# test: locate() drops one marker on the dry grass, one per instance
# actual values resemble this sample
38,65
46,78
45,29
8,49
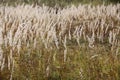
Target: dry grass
46,43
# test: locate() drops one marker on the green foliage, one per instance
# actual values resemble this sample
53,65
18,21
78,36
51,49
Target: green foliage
61,3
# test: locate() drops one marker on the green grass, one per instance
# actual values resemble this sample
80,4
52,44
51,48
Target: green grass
83,63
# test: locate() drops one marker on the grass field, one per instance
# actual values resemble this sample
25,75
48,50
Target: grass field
72,43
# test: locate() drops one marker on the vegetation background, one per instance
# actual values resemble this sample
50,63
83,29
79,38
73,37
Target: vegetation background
104,66
61,3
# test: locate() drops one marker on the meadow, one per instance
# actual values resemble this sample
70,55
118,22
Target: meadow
52,43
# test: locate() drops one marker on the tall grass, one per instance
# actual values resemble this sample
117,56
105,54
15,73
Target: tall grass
52,43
